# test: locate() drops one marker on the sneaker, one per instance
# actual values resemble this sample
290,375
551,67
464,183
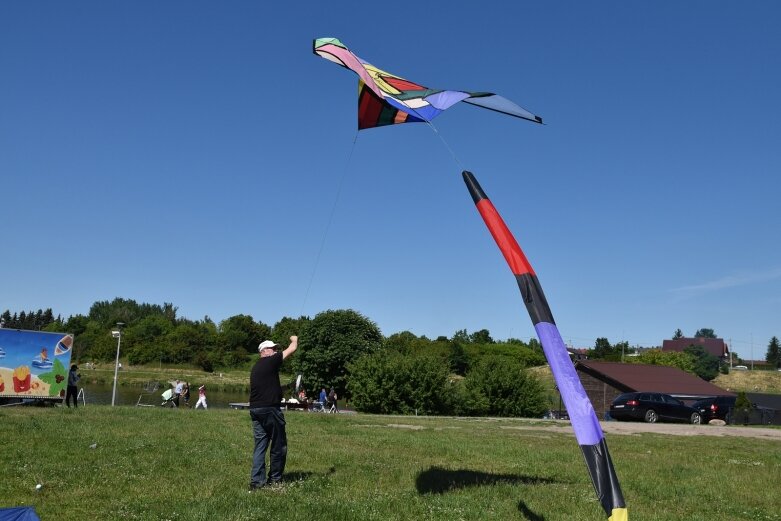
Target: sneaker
253,487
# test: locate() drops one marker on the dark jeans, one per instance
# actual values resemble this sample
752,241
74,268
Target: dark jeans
268,426
72,391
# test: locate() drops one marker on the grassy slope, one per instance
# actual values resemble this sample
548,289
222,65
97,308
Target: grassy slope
750,381
154,463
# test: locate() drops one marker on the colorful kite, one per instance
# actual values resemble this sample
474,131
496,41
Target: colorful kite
386,99
582,416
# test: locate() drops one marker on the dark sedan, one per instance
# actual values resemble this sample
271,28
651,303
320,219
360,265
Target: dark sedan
653,407
715,408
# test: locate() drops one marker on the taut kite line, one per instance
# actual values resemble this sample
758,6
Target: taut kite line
386,99
582,416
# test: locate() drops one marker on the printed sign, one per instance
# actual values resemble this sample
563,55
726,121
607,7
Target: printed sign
34,364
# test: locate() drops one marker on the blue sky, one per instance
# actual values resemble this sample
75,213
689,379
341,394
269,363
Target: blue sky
199,153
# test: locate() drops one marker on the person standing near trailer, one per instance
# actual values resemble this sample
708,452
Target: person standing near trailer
73,380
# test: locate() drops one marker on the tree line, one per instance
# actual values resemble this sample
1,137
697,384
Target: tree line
466,374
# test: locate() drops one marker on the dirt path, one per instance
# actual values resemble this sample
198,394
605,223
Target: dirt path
675,429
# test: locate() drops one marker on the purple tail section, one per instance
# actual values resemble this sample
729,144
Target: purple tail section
581,412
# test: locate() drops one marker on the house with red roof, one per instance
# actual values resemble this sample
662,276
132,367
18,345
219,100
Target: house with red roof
714,346
604,381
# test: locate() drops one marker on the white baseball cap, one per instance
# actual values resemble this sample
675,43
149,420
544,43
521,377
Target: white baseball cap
267,344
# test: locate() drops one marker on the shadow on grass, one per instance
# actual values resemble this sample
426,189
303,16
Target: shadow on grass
437,480
528,514
306,476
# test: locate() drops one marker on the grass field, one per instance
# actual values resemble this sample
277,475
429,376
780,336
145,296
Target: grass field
165,464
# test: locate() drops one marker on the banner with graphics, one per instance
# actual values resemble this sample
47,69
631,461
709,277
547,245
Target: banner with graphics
34,364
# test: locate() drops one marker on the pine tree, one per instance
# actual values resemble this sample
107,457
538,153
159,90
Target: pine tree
773,355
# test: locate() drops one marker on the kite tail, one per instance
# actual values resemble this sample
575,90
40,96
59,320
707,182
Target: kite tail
582,416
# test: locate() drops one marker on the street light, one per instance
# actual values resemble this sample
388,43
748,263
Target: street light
116,333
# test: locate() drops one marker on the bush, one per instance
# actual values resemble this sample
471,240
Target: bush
390,382
502,387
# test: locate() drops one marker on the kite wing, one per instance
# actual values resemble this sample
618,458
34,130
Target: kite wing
386,99
584,420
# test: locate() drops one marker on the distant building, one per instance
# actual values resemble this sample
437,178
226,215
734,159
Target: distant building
604,381
714,346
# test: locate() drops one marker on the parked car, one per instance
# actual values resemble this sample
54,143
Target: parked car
652,407
715,408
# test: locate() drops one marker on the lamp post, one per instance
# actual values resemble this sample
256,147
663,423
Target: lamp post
116,333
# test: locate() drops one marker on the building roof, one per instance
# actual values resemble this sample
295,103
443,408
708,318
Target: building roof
652,378
714,346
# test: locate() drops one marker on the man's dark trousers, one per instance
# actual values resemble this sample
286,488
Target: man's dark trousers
268,425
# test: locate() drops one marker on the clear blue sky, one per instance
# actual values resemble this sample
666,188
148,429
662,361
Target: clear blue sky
196,152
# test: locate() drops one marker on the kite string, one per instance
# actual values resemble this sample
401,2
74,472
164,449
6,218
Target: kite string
328,224
447,146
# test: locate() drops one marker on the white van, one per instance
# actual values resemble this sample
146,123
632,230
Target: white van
740,368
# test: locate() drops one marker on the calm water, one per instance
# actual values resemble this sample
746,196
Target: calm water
101,394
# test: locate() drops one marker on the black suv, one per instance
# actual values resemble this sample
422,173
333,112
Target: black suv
715,408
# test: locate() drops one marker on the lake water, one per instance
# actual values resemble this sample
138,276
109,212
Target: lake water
100,394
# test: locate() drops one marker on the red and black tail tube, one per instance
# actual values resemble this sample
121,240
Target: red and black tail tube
581,412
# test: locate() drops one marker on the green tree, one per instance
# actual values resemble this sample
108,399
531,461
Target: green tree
602,349
678,334
144,339
283,330
705,333
187,340
503,387
402,342
458,360
238,336
621,348
706,366
773,355
461,336
481,337
287,327
331,341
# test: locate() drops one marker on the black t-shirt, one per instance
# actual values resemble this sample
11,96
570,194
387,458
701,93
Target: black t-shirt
264,388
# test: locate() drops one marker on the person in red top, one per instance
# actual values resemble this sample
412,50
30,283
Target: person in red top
268,422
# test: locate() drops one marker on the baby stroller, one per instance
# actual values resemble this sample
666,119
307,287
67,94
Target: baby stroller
168,398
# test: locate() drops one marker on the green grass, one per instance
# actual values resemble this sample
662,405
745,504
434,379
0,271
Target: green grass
164,464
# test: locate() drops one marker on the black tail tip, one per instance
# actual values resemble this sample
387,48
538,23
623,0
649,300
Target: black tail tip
474,187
